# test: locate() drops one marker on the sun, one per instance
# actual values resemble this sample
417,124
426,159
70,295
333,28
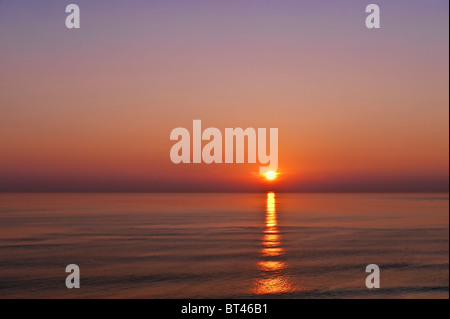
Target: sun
270,175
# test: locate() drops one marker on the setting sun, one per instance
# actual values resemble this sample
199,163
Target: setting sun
271,175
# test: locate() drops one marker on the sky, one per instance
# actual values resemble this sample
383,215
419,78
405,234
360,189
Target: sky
91,110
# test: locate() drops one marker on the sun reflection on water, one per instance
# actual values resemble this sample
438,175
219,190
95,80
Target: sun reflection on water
273,278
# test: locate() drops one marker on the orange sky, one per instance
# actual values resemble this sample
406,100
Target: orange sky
92,109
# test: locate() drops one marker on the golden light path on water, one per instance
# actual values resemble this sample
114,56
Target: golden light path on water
272,268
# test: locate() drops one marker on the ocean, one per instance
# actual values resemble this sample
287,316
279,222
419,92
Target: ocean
208,245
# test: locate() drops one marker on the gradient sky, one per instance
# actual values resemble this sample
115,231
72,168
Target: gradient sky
357,110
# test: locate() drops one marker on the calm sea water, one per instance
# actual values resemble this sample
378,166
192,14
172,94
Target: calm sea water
224,245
